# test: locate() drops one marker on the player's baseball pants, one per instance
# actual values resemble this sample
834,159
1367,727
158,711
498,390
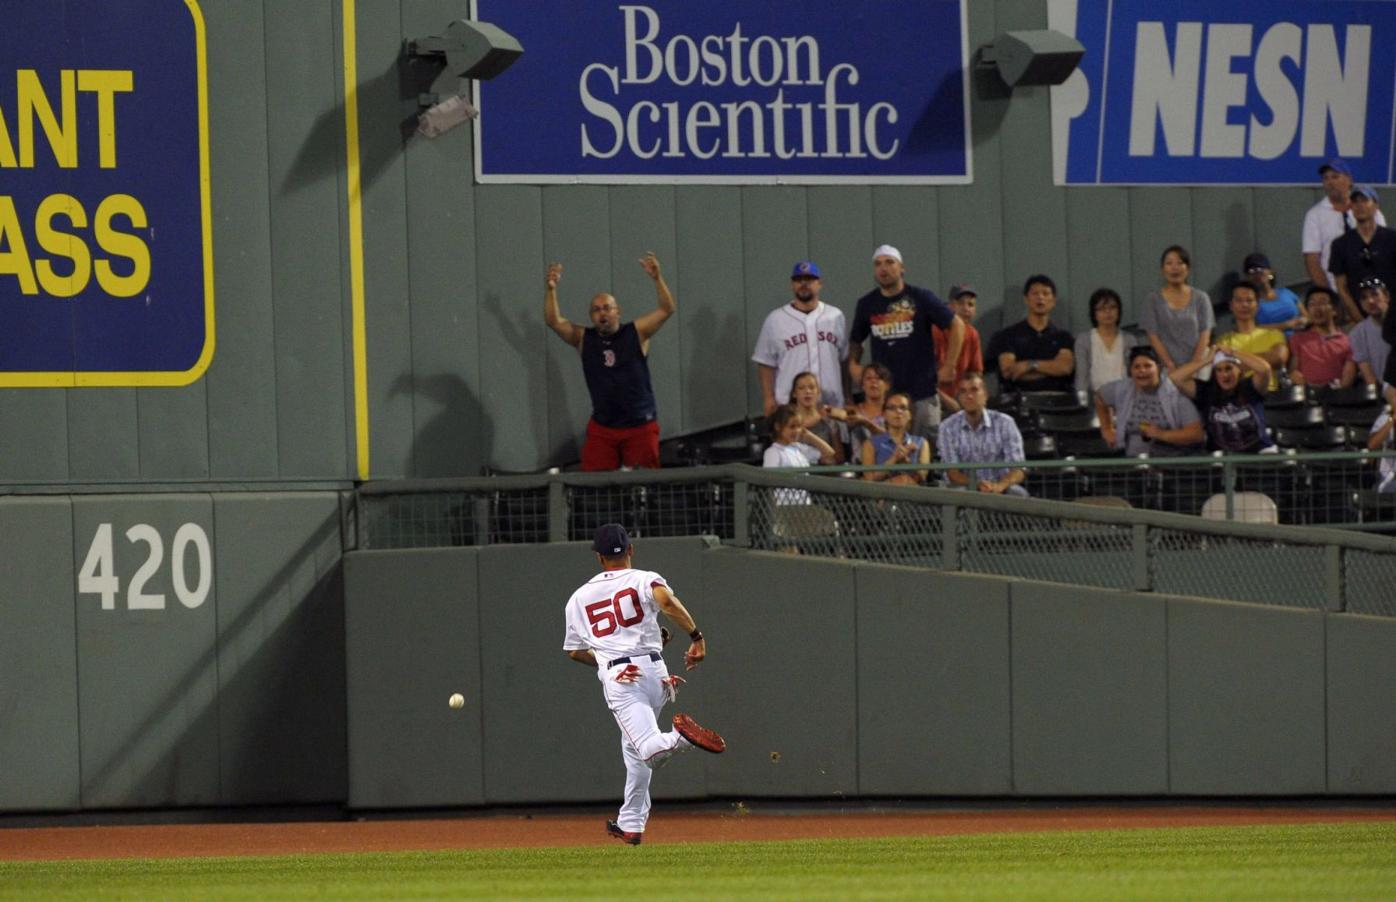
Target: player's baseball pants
636,708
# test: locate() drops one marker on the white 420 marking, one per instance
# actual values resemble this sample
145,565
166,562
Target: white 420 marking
98,573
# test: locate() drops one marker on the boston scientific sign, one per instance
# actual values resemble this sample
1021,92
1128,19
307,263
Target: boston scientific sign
728,92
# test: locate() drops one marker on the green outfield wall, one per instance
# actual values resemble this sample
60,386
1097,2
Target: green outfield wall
277,670
458,371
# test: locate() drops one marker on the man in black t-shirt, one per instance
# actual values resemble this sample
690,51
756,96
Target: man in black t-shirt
898,318
1033,354
1366,252
623,430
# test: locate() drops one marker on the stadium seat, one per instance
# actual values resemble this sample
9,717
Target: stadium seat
1053,400
1059,421
1248,507
1285,397
1304,417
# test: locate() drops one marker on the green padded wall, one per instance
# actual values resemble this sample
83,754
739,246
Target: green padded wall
1245,699
1361,704
39,767
1090,692
933,683
412,638
147,679
781,685
280,591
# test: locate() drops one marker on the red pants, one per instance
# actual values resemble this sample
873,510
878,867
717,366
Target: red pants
610,449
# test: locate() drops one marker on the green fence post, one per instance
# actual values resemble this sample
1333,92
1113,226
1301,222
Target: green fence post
950,537
1143,571
741,513
1334,583
557,511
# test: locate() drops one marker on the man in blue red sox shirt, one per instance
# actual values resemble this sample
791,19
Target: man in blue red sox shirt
623,430
898,317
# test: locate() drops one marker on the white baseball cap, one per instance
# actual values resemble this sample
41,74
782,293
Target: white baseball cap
887,250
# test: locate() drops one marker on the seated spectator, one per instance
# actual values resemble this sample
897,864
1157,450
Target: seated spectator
794,446
1279,307
1321,354
897,445
1177,317
864,419
1100,352
1268,344
1232,406
806,397
1033,354
1383,438
963,300
1369,350
1147,414
979,435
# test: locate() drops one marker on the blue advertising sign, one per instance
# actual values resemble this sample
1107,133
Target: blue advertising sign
1249,92
106,260
727,91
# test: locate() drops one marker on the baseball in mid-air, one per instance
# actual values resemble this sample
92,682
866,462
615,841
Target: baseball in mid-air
456,700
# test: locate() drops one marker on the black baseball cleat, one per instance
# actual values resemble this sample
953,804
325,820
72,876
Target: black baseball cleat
702,737
633,839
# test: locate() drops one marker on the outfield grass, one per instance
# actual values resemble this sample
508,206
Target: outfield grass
1348,861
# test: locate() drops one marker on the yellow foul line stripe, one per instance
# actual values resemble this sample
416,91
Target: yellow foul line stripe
356,240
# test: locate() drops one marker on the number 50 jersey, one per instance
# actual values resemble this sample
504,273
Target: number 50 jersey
614,614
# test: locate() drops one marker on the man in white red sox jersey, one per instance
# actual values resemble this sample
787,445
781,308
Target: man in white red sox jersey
803,336
613,625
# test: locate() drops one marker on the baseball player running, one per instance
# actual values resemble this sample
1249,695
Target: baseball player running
613,625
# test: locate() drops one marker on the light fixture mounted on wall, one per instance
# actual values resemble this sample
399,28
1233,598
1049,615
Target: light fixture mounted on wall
1022,58
468,50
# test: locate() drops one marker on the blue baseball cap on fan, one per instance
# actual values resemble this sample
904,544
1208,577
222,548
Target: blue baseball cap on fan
805,269
1338,165
610,540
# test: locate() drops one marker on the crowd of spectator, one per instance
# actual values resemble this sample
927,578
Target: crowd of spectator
1172,386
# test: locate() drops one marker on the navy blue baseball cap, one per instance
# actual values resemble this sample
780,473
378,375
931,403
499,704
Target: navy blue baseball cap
805,269
611,539
1366,191
1338,165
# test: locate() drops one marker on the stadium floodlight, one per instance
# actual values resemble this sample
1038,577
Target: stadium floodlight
468,50
1042,57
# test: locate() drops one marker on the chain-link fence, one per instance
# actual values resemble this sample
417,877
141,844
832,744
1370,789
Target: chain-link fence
1102,540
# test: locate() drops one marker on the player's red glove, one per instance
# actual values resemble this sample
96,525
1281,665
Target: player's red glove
628,674
671,686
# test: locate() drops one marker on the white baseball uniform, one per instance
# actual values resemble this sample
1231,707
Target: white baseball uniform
615,616
792,342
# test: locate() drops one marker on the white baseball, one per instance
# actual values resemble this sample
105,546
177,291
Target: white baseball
456,700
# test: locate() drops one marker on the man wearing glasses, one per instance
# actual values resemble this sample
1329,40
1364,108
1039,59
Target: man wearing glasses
1366,252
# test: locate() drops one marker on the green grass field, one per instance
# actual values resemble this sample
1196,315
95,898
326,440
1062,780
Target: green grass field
1353,861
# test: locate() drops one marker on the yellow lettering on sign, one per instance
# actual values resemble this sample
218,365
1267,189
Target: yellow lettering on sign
62,244
122,244
14,254
7,150
105,83
34,104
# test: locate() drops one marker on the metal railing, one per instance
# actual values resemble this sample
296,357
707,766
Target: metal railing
1082,541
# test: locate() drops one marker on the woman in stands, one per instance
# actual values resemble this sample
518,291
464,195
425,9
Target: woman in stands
1147,414
1279,307
1100,352
1177,317
1232,407
864,419
896,446
818,417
